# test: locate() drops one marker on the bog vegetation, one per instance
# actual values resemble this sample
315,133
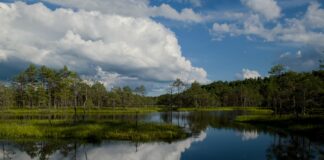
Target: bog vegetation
283,91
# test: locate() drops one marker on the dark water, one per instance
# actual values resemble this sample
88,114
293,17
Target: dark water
215,136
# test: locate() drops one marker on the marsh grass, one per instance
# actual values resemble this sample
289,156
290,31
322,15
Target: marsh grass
310,126
130,110
79,110
90,130
253,110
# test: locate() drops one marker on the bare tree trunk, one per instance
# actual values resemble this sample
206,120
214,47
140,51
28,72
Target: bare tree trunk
304,102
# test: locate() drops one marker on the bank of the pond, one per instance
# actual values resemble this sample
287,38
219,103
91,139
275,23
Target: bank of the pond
90,130
124,110
310,126
37,111
258,110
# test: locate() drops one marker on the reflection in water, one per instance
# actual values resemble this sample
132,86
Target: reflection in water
214,135
249,135
9,151
146,151
105,150
294,148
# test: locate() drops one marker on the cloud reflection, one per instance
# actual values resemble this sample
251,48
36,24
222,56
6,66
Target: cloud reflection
249,135
146,151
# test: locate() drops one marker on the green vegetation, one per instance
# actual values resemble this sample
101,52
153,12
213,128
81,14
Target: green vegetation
296,98
310,126
89,130
284,92
253,110
79,111
42,87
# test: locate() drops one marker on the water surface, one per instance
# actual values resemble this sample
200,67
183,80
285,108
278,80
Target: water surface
214,136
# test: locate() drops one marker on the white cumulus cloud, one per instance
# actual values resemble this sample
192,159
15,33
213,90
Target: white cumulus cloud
268,8
307,30
3,56
315,16
301,60
131,8
85,40
221,27
248,74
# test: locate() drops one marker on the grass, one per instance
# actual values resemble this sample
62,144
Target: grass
90,130
80,110
276,119
122,110
310,126
253,110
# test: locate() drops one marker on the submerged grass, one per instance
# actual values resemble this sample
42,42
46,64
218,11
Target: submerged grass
90,130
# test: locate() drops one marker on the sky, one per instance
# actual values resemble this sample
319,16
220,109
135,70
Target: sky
154,42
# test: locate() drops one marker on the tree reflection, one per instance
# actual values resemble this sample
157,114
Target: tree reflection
293,148
281,148
73,150
7,151
42,150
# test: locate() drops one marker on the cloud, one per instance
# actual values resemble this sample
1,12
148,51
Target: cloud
195,3
131,8
308,30
267,8
85,40
301,60
251,25
283,55
225,16
219,30
112,79
314,17
287,4
3,57
108,79
248,74
299,54
10,68
221,27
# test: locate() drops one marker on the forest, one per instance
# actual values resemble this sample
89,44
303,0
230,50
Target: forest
283,91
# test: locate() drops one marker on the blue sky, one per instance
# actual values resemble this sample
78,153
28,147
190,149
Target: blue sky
153,42
223,59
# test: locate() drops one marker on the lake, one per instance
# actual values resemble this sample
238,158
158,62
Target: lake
213,135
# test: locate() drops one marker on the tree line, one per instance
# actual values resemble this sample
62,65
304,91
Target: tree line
43,87
284,91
